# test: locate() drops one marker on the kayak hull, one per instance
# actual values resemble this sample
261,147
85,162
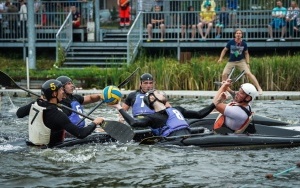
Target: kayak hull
234,141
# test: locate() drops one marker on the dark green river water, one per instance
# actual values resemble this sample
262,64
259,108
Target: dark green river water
132,165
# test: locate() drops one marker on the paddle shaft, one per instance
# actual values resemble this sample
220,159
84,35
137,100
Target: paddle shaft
13,83
238,77
116,130
120,85
231,72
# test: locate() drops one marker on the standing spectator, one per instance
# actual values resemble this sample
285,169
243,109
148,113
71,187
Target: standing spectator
124,13
207,17
12,18
291,17
232,5
156,20
189,21
222,22
75,17
207,2
23,19
239,57
278,14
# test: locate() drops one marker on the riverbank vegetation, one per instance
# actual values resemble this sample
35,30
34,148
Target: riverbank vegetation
274,72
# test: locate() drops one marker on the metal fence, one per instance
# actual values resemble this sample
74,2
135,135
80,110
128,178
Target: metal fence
180,24
49,17
252,16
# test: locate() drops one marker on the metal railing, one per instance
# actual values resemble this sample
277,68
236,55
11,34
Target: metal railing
254,24
134,38
64,36
49,16
180,23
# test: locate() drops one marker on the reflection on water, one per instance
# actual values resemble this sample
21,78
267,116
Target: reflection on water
131,165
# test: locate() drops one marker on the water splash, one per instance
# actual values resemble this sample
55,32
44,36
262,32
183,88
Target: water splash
9,147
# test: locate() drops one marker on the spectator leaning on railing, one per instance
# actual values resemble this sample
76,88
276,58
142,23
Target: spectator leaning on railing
278,14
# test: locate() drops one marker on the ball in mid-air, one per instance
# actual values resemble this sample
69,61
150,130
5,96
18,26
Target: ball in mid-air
111,94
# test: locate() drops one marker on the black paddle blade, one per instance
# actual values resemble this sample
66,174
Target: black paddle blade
119,131
6,81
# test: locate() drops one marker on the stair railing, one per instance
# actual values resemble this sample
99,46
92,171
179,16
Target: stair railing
64,36
134,38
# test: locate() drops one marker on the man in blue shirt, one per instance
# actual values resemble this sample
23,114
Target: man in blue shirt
239,57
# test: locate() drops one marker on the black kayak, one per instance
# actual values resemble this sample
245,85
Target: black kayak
197,127
270,137
266,136
231,141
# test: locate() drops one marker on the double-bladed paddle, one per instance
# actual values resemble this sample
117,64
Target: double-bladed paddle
119,86
119,131
234,79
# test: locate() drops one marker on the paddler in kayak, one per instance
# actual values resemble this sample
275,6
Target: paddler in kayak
165,121
235,117
47,123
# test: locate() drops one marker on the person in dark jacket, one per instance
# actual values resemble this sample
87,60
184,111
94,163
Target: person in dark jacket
47,123
166,121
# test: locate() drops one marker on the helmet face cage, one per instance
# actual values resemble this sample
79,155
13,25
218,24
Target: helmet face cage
147,100
150,103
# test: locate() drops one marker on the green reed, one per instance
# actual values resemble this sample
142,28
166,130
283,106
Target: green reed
274,72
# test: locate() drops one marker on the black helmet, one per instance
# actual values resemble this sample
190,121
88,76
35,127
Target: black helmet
147,100
146,76
64,79
49,87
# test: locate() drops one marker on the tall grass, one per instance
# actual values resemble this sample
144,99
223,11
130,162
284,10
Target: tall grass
274,72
